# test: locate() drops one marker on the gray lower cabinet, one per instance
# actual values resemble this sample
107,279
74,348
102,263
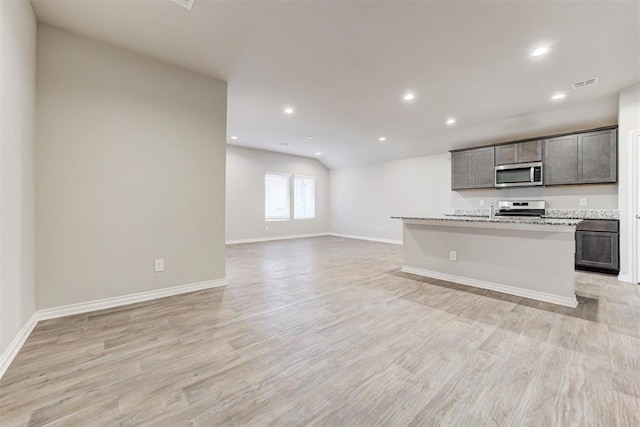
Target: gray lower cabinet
472,169
597,246
584,158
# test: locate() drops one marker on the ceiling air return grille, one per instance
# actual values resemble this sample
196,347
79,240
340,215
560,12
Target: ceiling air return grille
187,4
585,83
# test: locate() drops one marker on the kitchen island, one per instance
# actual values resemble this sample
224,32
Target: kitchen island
531,258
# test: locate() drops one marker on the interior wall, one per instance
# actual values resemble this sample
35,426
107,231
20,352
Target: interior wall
364,198
17,108
245,194
629,121
603,196
130,161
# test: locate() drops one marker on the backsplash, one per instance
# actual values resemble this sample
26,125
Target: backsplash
554,213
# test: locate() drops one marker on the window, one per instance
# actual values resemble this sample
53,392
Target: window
304,197
277,204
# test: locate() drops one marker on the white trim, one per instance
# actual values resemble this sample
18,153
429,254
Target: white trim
634,205
84,307
371,239
268,239
625,278
53,313
16,344
505,289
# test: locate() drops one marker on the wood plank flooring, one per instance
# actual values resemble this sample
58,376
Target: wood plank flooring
327,331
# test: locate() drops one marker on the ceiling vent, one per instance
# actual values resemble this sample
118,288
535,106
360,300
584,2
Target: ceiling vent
187,4
585,83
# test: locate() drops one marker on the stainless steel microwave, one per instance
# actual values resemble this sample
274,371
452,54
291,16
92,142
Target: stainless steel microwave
519,175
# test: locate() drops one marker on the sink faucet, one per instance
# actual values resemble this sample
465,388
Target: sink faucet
491,210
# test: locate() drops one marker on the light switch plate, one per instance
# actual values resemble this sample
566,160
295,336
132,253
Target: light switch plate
583,201
481,203
453,255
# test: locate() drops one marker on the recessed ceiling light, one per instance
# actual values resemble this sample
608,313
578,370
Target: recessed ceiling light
382,138
409,96
451,121
318,154
309,137
234,137
539,51
284,143
288,110
558,96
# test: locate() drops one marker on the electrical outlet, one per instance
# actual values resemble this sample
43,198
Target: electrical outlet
453,255
481,203
266,227
335,225
583,201
378,228
158,265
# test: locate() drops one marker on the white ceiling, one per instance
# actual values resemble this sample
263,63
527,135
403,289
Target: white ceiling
344,67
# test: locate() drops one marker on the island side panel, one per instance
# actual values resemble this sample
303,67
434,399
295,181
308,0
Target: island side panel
538,264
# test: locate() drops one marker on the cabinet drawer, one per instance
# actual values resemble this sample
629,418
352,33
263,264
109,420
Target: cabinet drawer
603,225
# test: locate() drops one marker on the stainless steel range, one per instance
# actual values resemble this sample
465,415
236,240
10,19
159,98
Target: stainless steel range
528,208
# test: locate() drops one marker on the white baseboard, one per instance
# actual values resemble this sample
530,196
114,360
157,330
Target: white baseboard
371,239
625,278
16,344
505,289
85,307
268,239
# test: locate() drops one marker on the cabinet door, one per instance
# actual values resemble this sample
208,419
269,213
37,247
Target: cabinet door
561,160
530,151
506,154
484,168
461,170
597,157
597,250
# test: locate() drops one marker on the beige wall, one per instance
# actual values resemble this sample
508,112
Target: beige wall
245,194
17,107
364,198
130,161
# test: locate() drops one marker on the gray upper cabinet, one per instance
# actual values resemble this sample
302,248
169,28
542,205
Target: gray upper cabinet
472,169
521,152
483,168
506,154
585,158
530,151
561,160
597,157
461,170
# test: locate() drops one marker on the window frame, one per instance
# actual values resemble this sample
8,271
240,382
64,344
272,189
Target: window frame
315,198
289,196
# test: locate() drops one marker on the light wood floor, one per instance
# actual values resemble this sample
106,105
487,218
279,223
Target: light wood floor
327,331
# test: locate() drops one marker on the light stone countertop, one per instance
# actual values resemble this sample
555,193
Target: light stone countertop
497,220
